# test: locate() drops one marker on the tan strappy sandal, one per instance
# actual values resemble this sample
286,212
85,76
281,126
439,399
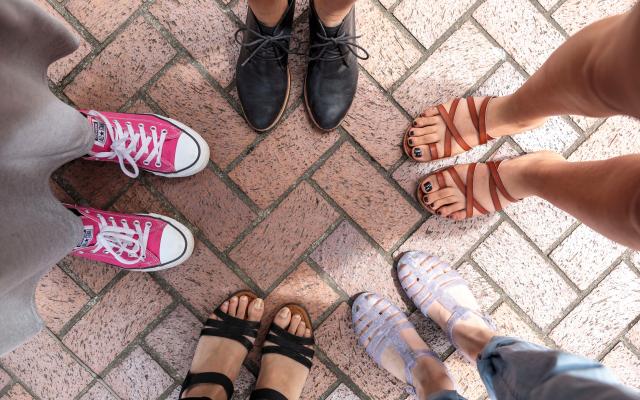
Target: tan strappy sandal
479,121
495,185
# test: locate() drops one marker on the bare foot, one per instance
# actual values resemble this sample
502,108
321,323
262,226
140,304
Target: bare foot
281,373
222,355
425,139
440,194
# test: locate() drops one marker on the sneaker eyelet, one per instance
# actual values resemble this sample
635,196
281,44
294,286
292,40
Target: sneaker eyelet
136,222
128,123
123,221
163,131
147,223
158,164
140,125
105,252
145,162
80,252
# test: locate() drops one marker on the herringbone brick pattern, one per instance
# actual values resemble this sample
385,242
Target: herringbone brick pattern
296,214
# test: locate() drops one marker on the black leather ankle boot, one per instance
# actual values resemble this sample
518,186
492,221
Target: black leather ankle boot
332,73
262,72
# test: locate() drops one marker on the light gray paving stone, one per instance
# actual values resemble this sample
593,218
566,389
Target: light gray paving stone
509,323
430,332
521,30
574,15
585,254
585,122
480,287
624,364
525,276
465,374
602,315
448,239
450,71
617,136
342,392
540,220
428,20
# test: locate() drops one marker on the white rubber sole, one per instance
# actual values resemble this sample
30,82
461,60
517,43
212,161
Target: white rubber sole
187,252
202,161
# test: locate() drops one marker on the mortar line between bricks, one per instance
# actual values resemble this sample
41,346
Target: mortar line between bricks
547,16
92,384
339,373
619,338
15,380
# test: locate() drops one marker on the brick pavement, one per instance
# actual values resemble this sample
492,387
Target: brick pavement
297,210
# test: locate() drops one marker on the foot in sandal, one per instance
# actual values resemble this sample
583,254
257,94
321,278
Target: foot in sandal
469,190
444,296
452,128
226,338
392,341
286,356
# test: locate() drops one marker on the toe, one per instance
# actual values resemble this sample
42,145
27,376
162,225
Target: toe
233,306
430,112
450,209
420,153
283,318
422,140
224,307
417,132
255,310
458,215
307,333
443,202
435,195
425,121
429,184
301,329
243,302
295,321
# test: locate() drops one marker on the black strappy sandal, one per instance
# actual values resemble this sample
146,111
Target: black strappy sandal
288,345
230,328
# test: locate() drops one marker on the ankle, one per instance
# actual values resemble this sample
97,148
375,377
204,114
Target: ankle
269,13
507,118
430,377
330,18
473,340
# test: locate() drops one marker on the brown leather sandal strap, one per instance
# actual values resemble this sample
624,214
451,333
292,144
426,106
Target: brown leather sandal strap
493,168
441,181
471,104
469,192
433,151
471,201
484,136
448,118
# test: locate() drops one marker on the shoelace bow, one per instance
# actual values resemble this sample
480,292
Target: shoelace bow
116,240
265,43
330,48
130,146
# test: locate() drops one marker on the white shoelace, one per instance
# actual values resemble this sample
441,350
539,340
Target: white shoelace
129,145
117,240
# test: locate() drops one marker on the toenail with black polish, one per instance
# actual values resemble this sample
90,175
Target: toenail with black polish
415,123
417,152
428,187
410,142
412,133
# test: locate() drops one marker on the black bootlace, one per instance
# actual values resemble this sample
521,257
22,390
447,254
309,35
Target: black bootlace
331,48
267,46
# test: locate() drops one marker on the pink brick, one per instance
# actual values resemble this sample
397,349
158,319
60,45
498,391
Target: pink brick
435,81
116,320
427,21
525,276
101,18
431,333
140,52
392,52
521,30
4,379
210,205
366,196
602,315
205,30
97,182
61,68
94,274
138,199
276,163
203,280
376,123
175,339
634,335
447,239
337,339
303,286
509,323
59,193
186,95
574,15
480,287
43,356
98,392
17,392
466,376
318,382
342,392
140,107
355,265
138,377
58,299
616,137
624,364
284,235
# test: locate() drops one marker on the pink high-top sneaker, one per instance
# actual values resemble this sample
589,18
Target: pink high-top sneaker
150,142
135,242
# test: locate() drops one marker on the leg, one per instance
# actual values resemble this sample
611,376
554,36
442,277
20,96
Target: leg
510,366
332,12
594,73
268,12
